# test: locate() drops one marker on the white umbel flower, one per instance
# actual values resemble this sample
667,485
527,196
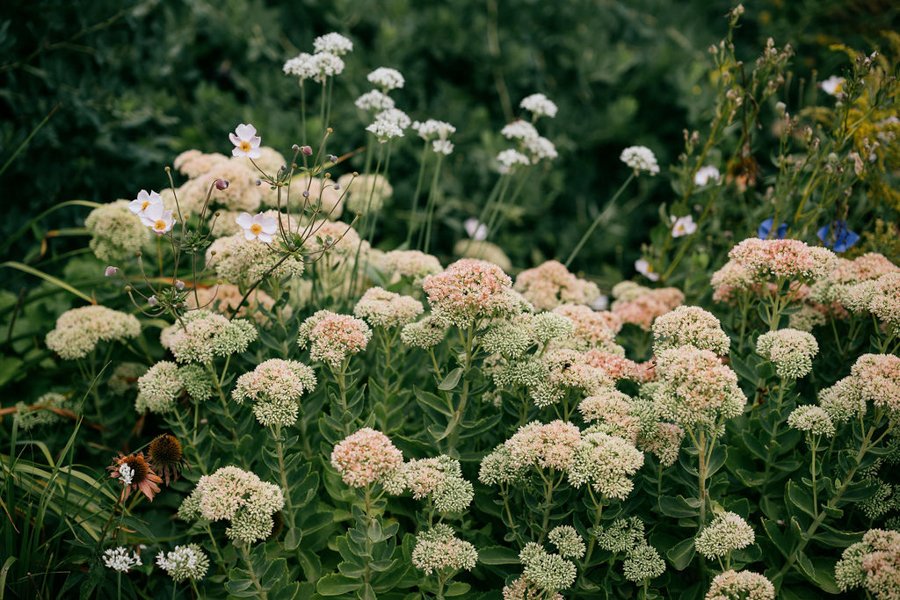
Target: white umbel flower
509,159
643,267
640,158
385,130
257,227
705,175
444,147
158,219
118,559
333,43
682,226
519,130
126,474
432,127
301,66
396,116
386,78
540,148
246,142
326,65
143,202
374,100
539,105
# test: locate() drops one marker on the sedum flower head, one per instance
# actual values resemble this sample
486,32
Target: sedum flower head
184,562
790,350
381,308
643,563
366,457
116,234
726,533
439,550
843,401
622,535
877,378
606,463
79,330
812,419
695,388
640,305
551,284
549,572
522,589
411,264
42,412
238,496
243,263
202,336
439,479
766,260
275,388
689,326
332,338
159,388
640,158
567,541
467,291
500,468
592,329
878,297
872,564
119,559
425,333
743,585
546,446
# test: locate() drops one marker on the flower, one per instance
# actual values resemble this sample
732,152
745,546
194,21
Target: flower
382,308
551,284
241,497
872,564
143,202
201,336
790,350
540,148
42,412
439,479
519,130
386,78
166,456
246,142
475,229
385,129
833,86
539,105
622,535
522,589
510,158
549,572
639,305
432,127
640,158
365,457
643,266
411,264
375,101
323,65
567,541
444,147
607,463
643,563
763,260
425,333
139,476
275,387
184,562
689,325
545,446
682,226
79,330
438,549
706,174
837,236
811,419
301,66
469,290
118,559
592,329
743,585
115,234
333,43
241,262
158,219
727,532
765,230
258,227
332,338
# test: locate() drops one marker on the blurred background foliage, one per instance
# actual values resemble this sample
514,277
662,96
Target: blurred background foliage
99,95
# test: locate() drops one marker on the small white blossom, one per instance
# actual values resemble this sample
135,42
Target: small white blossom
118,559
442,147
301,66
682,226
246,142
705,175
832,86
475,229
386,78
396,116
257,227
519,130
539,105
640,158
510,158
333,43
600,303
432,127
384,130
126,474
143,202
374,100
646,269
540,148
326,65
158,219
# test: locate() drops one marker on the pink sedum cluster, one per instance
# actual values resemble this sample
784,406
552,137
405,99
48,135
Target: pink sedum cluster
592,328
639,305
365,457
767,260
551,284
468,291
333,338
547,446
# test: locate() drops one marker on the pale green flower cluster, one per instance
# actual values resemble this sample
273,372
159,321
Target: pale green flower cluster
643,563
689,326
790,350
872,564
243,263
607,463
549,572
726,533
381,308
439,479
184,562
40,413
439,550
740,585
79,330
567,541
425,333
116,233
201,336
275,387
812,419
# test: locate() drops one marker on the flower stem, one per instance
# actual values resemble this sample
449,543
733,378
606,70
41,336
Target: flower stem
601,217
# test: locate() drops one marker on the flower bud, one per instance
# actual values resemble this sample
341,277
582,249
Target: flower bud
111,271
332,158
295,148
306,150
152,301
179,285
221,184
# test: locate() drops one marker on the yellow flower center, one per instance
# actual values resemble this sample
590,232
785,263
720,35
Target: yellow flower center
159,225
145,204
256,229
245,146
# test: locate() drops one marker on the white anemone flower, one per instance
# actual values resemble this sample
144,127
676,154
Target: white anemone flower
246,142
157,218
144,201
646,269
475,229
682,226
706,174
833,85
257,227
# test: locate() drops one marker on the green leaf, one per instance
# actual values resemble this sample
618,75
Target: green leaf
498,555
679,507
451,380
781,539
681,554
337,585
429,400
457,588
800,498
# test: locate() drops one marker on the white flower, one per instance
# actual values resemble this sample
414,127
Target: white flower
386,78
519,130
333,43
442,147
510,158
246,142
257,227
640,158
384,130
118,559
832,86
396,116
143,202
540,148
325,65
539,105
706,174
301,65
126,473
476,229
600,303
646,269
158,219
374,100
682,226
433,127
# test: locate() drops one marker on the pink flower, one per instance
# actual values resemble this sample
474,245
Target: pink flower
365,457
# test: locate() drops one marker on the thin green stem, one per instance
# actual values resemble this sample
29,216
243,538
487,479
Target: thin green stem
600,218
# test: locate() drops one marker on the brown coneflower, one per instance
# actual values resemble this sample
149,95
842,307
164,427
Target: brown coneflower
167,456
136,474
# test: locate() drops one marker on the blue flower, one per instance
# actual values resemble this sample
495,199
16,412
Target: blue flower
841,240
765,228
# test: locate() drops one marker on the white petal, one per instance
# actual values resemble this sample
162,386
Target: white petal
248,235
244,220
135,206
265,237
245,131
255,141
269,224
255,153
238,152
234,139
